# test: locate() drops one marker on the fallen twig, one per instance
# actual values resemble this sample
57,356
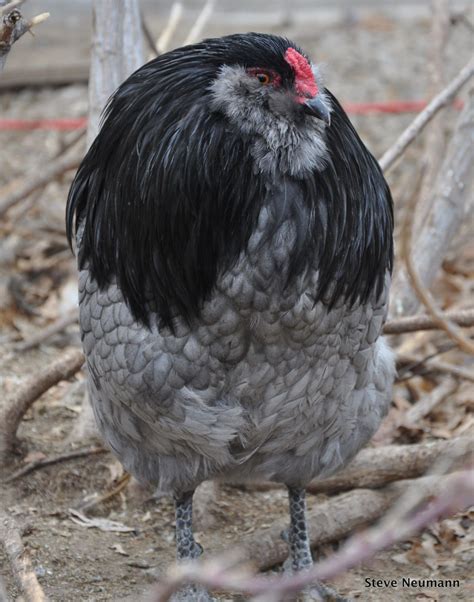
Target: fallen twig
426,404
376,467
31,466
416,366
463,317
54,170
420,121
98,499
40,337
15,406
20,562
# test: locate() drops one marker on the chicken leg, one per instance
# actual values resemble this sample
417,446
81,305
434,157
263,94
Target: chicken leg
187,547
300,549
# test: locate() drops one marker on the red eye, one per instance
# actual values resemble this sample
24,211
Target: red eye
263,78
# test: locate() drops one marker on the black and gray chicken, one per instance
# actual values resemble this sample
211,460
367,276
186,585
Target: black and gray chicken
234,238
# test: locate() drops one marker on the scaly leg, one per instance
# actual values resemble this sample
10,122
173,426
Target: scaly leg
300,549
187,548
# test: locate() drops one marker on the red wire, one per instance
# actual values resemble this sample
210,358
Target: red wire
353,108
43,124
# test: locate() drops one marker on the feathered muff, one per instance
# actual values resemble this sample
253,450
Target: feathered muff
194,144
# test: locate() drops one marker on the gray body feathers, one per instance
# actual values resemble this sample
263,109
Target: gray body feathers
222,208
267,386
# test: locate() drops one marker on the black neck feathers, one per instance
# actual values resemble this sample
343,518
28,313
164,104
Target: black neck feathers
169,196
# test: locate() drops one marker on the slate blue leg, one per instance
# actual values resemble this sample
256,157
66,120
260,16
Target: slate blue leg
300,549
187,548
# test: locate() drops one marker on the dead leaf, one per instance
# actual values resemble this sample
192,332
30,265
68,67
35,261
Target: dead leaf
119,549
116,471
400,558
34,456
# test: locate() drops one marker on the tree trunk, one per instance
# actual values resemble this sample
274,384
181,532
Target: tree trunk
117,51
451,205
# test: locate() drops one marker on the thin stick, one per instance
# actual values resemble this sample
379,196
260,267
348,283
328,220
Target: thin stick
150,40
31,466
424,406
463,317
105,497
163,42
27,393
203,17
441,100
423,366
52,172
20,561
40,337
434,143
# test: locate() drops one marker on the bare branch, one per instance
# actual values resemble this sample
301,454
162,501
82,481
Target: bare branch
31,466
424,406
20,562
196,30
164,40
13,26
421,366
423,118
150,40
54,170
58,326
15,406
375,467
434,143
463,318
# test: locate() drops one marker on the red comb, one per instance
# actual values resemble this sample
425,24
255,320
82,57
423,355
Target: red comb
304,76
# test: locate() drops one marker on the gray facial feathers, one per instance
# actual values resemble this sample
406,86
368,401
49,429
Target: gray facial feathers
283,139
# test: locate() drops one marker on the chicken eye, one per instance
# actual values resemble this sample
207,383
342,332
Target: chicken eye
263,78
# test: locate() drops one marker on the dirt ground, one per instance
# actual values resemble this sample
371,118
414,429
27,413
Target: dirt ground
373,58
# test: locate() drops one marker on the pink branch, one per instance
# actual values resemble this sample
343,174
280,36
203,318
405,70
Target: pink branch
458,493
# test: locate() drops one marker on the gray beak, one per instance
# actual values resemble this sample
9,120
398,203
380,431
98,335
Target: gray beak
316,108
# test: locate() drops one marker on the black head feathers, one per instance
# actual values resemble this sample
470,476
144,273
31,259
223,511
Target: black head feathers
169,192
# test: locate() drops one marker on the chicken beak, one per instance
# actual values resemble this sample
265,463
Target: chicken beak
316,108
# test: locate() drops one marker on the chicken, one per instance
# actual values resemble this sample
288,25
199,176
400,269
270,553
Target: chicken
234,242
